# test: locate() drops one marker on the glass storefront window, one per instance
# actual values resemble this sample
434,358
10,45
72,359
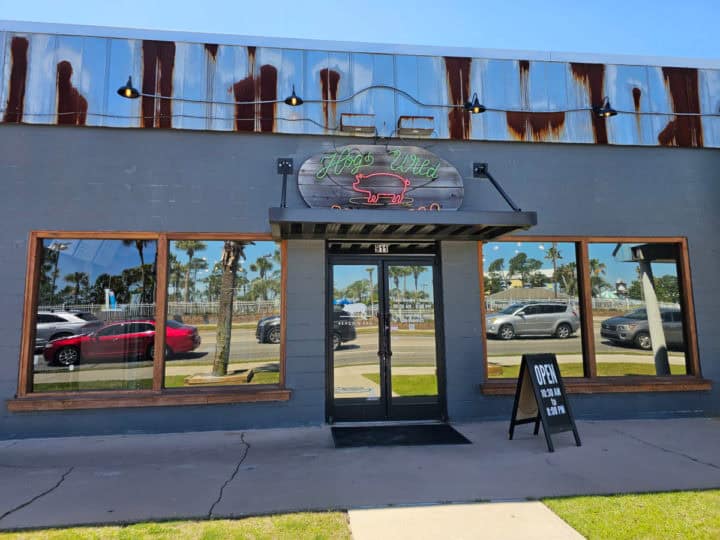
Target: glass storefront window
532,305
95,315
636,308
223,318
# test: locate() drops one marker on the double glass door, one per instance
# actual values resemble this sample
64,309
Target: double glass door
383,339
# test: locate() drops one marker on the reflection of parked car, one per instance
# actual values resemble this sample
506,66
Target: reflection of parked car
121,340
268,328
56,324
632,328
533,319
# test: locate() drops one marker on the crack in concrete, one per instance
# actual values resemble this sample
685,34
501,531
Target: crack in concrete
232,476
36,497
677,453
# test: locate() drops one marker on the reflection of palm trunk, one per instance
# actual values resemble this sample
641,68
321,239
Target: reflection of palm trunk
229,262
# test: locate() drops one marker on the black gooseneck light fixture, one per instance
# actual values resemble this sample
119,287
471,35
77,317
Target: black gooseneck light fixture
293,100
128,91
474,106
604,110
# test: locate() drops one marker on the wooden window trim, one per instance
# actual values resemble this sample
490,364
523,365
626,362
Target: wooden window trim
26,400
610,385
591,382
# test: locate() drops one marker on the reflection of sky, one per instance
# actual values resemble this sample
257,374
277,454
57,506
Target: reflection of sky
213,253
96,257
344,275
615,269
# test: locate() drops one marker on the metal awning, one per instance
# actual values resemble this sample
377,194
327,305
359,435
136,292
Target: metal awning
318,223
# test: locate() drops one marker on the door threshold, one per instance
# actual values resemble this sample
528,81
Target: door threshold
379,423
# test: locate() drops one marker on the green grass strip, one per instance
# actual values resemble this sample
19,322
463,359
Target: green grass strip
409,385
307,525
685,515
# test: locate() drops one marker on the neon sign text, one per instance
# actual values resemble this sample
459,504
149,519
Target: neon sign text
409,163
348,161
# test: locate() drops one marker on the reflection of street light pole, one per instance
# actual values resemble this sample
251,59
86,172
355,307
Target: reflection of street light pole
56,247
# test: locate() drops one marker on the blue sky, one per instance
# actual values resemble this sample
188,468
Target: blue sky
641,27
614,270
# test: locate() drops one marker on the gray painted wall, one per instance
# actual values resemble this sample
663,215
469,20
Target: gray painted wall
86,178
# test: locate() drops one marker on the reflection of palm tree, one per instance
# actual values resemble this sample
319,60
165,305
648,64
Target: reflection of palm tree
370,270
397,272
416,271
262,266
597,270
140,246
189,247
78,280
553,254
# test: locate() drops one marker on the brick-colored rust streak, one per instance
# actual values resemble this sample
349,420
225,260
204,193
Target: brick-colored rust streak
212,50
637,94
458,80
534,125
18,74
158,66
329,83
268,92
244,91
686,131
524,66
592,77
71,105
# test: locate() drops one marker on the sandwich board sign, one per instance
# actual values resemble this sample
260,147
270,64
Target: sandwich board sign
540,397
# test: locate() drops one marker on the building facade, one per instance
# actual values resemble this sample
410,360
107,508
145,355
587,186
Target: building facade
193,249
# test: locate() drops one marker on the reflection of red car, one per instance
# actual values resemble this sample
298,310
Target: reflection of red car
121,339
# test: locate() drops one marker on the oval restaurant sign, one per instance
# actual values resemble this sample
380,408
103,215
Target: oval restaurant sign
378,176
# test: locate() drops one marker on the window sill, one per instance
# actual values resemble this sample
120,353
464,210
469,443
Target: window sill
609,385
145,398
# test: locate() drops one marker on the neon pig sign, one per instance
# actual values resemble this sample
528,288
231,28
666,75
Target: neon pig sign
380,177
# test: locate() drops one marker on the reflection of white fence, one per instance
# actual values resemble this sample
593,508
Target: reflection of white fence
140,311
608,304
259,307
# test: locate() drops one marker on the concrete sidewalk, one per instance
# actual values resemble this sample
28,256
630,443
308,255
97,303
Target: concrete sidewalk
63,481
530,520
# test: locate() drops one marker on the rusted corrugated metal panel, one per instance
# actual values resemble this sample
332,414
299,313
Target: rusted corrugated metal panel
158,60
17,79
628,90
710,104
124,59
591,78
538,120
289,64
457,75
315,63
682,86
4,77
406,79
501,91
190,86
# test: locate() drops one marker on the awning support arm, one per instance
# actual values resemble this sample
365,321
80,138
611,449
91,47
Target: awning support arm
480,170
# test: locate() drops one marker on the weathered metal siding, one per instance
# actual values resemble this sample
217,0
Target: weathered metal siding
58,79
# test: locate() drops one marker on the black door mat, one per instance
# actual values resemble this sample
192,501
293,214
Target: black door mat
401,435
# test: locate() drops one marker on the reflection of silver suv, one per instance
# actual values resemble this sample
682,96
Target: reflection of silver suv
533,319
633,329
55,324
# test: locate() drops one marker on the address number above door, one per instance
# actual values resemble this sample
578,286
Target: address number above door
383,177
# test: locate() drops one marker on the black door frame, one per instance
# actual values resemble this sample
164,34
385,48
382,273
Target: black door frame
385,408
